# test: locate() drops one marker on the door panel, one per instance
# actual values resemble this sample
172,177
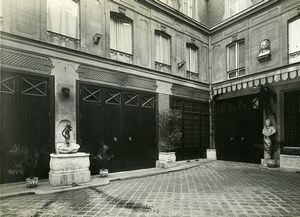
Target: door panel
238,130
195,128
25,119
123,120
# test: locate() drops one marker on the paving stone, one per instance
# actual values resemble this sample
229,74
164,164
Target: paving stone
215,189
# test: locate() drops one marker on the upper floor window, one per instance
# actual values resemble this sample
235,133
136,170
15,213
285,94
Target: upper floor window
189,8
162,51
168,2
236,59
294,40
63,17
121,38
192,61
233,7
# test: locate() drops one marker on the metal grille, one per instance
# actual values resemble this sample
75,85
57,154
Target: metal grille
118,78
25,61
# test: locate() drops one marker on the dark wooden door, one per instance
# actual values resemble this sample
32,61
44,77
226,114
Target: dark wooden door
122,119
25,119
239,124
195,128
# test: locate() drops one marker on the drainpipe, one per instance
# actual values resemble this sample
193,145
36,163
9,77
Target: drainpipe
212,142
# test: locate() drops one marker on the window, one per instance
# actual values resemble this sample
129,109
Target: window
235,6
236,59
188,8
168,2
294,40
192,62
63,17
163,51
121,38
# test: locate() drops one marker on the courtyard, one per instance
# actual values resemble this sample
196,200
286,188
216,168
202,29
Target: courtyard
216,188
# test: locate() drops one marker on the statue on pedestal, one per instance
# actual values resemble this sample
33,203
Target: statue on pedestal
268,131
67,147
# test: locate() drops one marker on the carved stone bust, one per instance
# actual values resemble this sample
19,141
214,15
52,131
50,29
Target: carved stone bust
264,50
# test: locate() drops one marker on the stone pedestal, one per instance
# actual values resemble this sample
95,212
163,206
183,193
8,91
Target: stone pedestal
211,154
68,168
166,160
290,161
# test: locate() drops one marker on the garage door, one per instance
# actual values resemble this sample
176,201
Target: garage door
239,124
25,119
122,119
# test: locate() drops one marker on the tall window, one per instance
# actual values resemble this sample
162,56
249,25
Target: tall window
192,61
168,2
121,38
162,49
236,59
189,8
235,6
63,17
294,40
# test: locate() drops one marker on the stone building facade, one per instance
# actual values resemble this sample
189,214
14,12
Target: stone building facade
110,67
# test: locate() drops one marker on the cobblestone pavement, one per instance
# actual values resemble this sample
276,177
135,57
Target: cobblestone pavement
217,188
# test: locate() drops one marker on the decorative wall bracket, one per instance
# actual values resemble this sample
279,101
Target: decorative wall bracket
65,91
96,38
180,64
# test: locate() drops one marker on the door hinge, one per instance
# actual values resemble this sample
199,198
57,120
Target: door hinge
49,115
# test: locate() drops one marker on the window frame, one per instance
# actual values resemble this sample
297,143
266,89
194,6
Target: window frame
190,47
168,37
237,68
117,17
64,36
288,40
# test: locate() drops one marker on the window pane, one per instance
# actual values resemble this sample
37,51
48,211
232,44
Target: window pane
294,40
158,48
63,17
193,60
241,54
232,57
166,50
188,59
70,19
113,33
124,37
53,15
233,7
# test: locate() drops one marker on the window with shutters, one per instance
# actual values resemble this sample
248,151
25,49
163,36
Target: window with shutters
162,51
168,2
121,38
189,8
294,40
236,59
233,7
192,62
63,17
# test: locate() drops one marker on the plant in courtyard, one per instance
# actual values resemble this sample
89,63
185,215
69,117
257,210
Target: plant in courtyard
170,133
25,159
